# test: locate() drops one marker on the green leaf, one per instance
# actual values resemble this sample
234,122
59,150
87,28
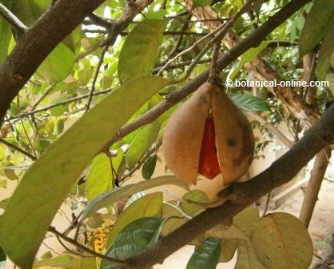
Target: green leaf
53,175
228,249
325,54
140,50
58,65
247,258
316,25
67,262
174,218
190,203
109,198
25,11
206,256
100,176
281,241
149,167
247,220
147,206
116,162
64,261
143,140
249,102
5,33
136,238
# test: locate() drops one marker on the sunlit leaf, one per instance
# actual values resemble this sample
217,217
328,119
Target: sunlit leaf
140,50
228,249
5,32
58,65
174,218
247,258
191,202
281,241
64,261
53,175
99,179
247,220
67,262
144,138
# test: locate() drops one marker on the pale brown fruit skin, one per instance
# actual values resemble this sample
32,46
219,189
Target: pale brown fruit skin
182,139
234,137
183,135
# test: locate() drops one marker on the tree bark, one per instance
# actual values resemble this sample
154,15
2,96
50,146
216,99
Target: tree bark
311,195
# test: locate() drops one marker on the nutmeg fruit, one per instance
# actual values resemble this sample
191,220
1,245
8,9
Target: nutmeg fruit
208,135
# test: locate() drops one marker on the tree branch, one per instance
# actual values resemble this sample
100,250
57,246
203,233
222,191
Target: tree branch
244,194
37,43
12,19
313,188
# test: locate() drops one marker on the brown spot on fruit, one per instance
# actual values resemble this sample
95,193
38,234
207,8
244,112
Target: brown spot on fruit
231,142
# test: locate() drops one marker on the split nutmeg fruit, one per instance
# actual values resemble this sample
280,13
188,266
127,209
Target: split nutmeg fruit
208,135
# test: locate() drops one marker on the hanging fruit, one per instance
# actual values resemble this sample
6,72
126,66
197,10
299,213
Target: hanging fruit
208,135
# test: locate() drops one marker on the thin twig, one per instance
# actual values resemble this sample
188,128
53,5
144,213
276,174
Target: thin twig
10,145
68,101
213,73
92,91
142,160
217,34
101,31
45,94
28,138
180,39
194,45
12,19
181,64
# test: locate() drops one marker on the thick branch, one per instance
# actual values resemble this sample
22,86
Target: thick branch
244,194
251,41
34,46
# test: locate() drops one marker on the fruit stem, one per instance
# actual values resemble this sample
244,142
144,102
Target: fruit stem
214,72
